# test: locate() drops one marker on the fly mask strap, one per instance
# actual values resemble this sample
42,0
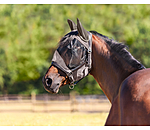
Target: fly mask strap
90,51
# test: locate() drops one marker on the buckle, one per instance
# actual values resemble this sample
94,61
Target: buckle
71,86
89,50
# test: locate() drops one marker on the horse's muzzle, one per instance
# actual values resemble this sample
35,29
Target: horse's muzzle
54,79
50,85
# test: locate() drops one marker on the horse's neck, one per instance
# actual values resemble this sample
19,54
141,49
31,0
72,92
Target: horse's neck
108,69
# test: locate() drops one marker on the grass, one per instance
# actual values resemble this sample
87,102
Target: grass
20,113
52,119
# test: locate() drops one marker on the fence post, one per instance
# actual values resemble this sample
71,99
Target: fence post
46,103
19,98
6,98
33,100
73,101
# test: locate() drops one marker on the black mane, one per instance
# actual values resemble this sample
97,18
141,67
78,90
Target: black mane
120,48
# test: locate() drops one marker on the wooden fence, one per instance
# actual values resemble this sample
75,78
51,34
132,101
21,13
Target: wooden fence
54,103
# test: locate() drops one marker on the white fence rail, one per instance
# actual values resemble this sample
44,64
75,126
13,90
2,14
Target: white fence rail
54,103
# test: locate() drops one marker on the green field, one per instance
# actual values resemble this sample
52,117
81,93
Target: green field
52,119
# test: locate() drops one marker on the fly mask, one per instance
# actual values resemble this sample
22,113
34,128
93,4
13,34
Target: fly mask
73,55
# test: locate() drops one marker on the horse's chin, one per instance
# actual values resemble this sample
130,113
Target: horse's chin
52,90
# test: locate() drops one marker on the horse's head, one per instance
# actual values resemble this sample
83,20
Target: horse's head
71,61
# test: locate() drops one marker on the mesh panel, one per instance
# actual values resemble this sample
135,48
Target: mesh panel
74,53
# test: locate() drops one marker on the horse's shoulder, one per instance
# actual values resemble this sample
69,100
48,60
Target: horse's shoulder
134,98
136,85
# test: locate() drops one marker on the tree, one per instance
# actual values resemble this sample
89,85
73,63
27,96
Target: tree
30,33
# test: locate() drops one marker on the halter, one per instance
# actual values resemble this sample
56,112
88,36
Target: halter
78,73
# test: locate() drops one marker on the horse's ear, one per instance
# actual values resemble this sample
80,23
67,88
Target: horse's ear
72,25
82,32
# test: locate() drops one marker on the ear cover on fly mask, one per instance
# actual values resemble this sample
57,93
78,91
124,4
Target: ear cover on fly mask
82,32
72,25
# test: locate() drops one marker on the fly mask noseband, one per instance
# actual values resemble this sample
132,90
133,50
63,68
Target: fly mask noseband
78,66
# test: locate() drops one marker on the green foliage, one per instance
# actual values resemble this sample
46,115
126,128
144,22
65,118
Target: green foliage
30,33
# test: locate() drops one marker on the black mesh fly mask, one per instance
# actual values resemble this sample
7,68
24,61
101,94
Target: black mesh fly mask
73,56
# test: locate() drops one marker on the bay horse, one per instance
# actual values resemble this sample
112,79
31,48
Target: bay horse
123,79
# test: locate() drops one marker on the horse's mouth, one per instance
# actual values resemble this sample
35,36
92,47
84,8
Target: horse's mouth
54,91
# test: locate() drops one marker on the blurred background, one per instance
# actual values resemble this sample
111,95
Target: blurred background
29,34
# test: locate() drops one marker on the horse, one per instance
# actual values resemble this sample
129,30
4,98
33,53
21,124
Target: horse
123,79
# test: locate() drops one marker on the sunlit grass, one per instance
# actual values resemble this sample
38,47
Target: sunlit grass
52,119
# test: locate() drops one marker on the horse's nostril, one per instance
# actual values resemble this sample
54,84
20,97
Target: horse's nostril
48,82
